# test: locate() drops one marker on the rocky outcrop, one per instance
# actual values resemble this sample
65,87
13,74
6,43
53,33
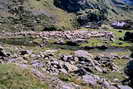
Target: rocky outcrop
74,36
122,25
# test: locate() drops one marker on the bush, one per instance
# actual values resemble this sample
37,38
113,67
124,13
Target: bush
52,28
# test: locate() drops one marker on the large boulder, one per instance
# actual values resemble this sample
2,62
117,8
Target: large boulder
128,36
129,69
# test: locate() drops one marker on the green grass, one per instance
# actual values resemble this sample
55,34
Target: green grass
13,77
118,43
93,43
70,78
23,41
121,63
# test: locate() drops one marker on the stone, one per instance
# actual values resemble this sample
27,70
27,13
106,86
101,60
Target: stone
12,60
37,63
48,52
89,79
119,25
98,69
3,53
70,68
23,66
80,72
124,87
1,48
67,86
105,83
60,42
112,87
67,58
24,52
125,24
82,53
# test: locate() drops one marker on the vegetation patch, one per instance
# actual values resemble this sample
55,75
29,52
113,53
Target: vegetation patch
13,77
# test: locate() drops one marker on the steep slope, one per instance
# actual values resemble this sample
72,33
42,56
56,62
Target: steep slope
36,15
113,9
39,15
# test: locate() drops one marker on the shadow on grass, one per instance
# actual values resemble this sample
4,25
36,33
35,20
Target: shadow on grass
18,41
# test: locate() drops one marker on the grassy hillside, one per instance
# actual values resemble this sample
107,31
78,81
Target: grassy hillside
14,77
113,9
36,15
62,18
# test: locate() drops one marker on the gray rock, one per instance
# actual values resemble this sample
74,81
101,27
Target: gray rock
80,72
70,68
67,58
106,84
3,53
37,63
124,87
48,53
98,69
122,24
112,87
1,48
82,53
23,52
89,79
67,86
60,42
